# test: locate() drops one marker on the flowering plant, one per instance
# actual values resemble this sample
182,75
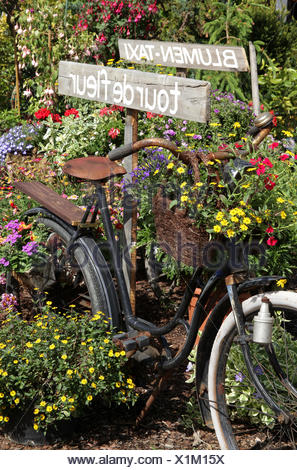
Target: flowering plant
259,203
56,366
19,247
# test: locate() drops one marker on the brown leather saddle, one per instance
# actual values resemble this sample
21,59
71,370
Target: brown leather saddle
93,168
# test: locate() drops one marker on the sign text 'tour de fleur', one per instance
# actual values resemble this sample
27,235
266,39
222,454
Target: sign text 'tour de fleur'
144,91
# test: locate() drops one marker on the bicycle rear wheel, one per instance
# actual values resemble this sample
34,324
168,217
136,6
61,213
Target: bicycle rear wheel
77,277
241,418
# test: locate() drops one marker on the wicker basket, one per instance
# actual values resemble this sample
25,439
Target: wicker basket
176,233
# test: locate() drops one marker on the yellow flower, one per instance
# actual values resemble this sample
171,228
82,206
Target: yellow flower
13,393
35,426
287,133
117,354
283,214
64,356
52,346
280,200
217,228
233,211
281,283
131,386
180,170
242,203
71,400
17,401
6,419
38,341
236,125
123,353
89,397
64,341
243,227
91,370
63,398
234,219
91,348
246,220
214,124
183,184
259,220
83,381
42,403
106,340
69,372
49,302
219,216
129,381
36,411
170,165
156,171
118,384
49,408
101,377
93,385
110,353
184,198
224,222
29,345
240,212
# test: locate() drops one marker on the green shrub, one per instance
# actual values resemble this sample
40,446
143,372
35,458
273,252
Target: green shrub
58,365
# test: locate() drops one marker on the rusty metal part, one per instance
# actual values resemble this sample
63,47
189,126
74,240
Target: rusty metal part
157,389
93,168
235,278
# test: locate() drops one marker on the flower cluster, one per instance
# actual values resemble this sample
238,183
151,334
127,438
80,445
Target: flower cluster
61,364
44,113
18,140
18,249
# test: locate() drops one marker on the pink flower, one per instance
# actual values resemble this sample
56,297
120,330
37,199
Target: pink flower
269,184
271,241
284,157
267,162
269,229
261,169
274,145
113,133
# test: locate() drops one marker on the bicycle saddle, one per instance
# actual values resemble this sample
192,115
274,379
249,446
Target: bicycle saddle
93,168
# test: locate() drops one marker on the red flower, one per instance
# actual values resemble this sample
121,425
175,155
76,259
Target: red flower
70,111
284,157
253,161
56,117
42,113
271,241
267,162
274,145
262,107
261,169
269,229
269,184
113,133
274,121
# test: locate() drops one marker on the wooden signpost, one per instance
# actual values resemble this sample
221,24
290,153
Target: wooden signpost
193,56
144,91
137,91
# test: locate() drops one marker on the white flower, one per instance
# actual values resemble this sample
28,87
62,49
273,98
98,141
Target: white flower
48,91
27,92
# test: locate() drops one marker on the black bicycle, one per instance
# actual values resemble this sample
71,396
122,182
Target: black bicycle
246,375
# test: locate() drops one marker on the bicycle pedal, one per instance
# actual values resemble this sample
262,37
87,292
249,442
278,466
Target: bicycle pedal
142,341
129,345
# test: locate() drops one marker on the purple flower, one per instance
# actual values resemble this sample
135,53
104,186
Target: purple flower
30,248
12,225
4,261
12,238
216,110
199,137
8,301
258,370
239,377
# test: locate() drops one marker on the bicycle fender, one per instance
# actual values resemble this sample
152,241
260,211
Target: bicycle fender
212,326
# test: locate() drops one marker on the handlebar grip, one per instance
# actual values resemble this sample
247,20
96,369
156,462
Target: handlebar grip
121,152
253,131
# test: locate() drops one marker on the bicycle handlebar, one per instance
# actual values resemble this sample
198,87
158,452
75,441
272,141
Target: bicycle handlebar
263,124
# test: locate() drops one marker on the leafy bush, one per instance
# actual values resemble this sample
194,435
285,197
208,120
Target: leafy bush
6,65
110,20
57,365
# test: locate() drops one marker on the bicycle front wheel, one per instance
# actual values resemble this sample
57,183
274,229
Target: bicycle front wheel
241,418
75,277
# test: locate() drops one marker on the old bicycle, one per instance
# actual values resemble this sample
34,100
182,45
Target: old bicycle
249,327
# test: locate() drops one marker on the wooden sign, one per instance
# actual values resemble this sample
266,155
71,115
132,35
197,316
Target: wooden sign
181,55
144,91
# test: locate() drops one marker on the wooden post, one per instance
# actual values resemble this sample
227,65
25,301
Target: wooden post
130,211
254,79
